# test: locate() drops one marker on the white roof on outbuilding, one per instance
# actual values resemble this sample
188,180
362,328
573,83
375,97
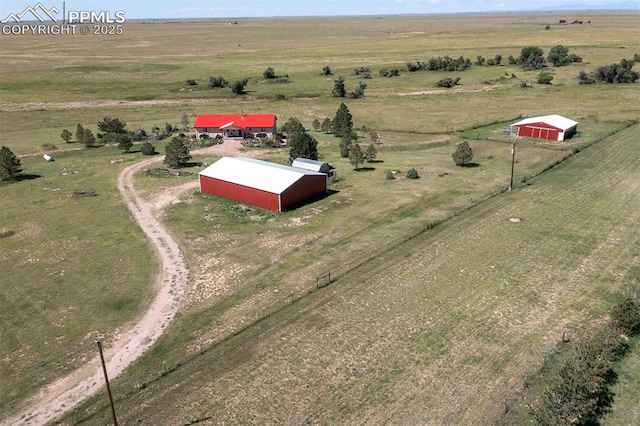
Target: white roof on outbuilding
258,174
554,120
315,165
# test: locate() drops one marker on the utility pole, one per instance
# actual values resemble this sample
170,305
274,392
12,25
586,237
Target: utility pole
106,380
513,160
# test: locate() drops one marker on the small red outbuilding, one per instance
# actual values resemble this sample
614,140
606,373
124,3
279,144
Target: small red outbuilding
261,183
552,127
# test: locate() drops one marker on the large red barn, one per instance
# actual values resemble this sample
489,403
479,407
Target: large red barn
261,183
552,127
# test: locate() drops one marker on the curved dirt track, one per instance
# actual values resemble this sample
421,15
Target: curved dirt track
62,395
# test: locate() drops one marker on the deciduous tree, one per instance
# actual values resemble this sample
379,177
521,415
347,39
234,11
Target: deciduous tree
532,58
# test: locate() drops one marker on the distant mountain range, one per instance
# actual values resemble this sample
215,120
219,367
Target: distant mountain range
625,5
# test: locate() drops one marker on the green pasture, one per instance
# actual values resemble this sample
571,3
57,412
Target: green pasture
447,326
73,269
402,314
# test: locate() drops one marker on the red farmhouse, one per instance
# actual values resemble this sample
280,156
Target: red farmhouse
268,185
553,127
235,125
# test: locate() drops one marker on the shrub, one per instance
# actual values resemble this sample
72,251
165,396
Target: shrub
269,73
412,174
448,82
147,149
238,86
217,82
626,316
544,78
48,146
191,82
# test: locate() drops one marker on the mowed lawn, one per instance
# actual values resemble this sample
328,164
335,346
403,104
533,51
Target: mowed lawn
444,329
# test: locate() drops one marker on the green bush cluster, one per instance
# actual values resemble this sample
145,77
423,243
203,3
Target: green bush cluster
580,391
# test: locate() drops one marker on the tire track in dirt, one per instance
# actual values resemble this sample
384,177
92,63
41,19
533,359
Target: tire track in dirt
67,392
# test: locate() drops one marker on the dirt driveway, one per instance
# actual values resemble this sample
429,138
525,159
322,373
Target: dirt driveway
64,394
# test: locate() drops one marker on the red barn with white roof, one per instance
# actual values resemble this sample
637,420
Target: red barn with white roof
261,183
235,125
552,127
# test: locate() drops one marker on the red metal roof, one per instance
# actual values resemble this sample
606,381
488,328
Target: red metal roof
236,120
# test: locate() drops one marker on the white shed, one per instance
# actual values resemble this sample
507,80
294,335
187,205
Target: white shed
313,165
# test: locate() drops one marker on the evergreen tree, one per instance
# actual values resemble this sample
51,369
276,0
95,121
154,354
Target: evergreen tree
292,126
66,135
176,153
112,125
338,88
356,157
9,164
303,145
79,132
326,125
370,153
463,154
125,143
88,140
345,146
147,149
342,123
316,124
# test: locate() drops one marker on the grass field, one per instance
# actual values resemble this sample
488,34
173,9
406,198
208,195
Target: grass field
444,328
476,300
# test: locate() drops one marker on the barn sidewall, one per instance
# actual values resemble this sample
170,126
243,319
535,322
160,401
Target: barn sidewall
304,189
244,194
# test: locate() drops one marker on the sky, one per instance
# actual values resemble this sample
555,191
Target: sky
167,9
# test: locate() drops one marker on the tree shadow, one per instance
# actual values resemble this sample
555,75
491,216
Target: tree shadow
470,165
28,176
319,197
365,169
375,161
